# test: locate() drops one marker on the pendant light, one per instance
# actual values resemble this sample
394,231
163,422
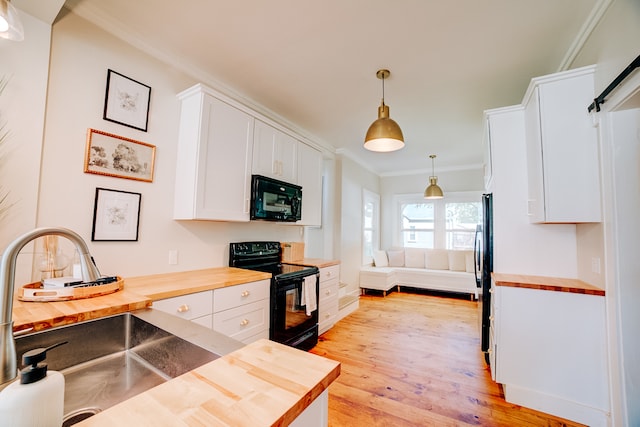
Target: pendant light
10,25
384,134
433,191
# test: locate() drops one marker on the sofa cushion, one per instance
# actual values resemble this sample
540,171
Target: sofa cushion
469,262
457,260
380,259
436,259
396,258
414,257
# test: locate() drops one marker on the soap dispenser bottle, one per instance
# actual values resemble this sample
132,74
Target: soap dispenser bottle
36,399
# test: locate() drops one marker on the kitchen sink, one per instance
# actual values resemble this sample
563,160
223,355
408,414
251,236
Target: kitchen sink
111,359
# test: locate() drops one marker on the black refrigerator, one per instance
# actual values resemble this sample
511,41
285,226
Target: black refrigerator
483,248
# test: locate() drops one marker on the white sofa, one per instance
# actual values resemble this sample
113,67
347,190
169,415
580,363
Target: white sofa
432,269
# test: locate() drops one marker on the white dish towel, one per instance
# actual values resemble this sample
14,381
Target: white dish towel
309,293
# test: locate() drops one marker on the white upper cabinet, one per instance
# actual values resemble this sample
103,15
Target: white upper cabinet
562,149
274,153
213,167
310,179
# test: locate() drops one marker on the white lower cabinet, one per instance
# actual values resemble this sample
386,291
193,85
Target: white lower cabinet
197,307
549,352
328,300
240,311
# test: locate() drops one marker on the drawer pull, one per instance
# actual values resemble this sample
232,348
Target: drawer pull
183,308
244,322
245,294
327,292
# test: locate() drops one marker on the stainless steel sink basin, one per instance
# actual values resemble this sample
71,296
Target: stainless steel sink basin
111,359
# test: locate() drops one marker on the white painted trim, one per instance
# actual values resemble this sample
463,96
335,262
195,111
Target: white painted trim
555,405
615,102
587,28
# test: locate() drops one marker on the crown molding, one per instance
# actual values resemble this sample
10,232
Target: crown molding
587,28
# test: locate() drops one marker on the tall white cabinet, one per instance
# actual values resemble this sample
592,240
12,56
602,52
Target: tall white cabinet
310,178
562,148
215,146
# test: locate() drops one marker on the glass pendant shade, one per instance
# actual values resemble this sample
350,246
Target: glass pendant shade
10,25
384,134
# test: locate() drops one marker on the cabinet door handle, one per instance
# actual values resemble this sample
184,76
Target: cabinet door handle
244,322
183,308
327,292
245,294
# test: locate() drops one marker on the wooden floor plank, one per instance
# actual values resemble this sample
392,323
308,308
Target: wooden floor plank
413,359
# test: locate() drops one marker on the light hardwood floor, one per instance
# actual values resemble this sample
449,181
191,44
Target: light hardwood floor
412,359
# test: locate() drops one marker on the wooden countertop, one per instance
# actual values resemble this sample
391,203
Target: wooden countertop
167,285
557,284
315,262
44,315
262,384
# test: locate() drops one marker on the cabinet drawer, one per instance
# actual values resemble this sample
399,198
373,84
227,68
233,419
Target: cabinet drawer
327,314
328,273
234,296
328,289
187,306
328,309
244,321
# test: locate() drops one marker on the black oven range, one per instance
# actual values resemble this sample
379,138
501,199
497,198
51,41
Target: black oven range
294,292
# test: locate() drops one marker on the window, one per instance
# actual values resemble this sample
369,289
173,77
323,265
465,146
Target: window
417,227
448,223
461,221
370,225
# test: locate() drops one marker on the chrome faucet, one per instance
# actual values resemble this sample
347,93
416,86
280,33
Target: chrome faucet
8,362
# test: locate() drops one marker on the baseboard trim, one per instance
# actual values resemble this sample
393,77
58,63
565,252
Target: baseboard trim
557,406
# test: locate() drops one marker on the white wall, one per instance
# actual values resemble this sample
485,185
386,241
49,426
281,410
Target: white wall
80,56
22,111
353,178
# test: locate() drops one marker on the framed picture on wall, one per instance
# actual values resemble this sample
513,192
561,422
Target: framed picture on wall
113,155
126,101
116,215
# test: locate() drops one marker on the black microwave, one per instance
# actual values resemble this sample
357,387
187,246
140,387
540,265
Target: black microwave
273,200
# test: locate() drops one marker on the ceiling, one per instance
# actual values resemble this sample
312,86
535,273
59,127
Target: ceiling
314,64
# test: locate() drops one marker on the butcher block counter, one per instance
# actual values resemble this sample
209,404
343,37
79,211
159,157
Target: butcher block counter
36,316
315,262
544,283
139,292
168,285
262,384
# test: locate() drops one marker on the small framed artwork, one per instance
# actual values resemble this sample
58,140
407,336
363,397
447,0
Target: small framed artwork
126,101
116,215
113,155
